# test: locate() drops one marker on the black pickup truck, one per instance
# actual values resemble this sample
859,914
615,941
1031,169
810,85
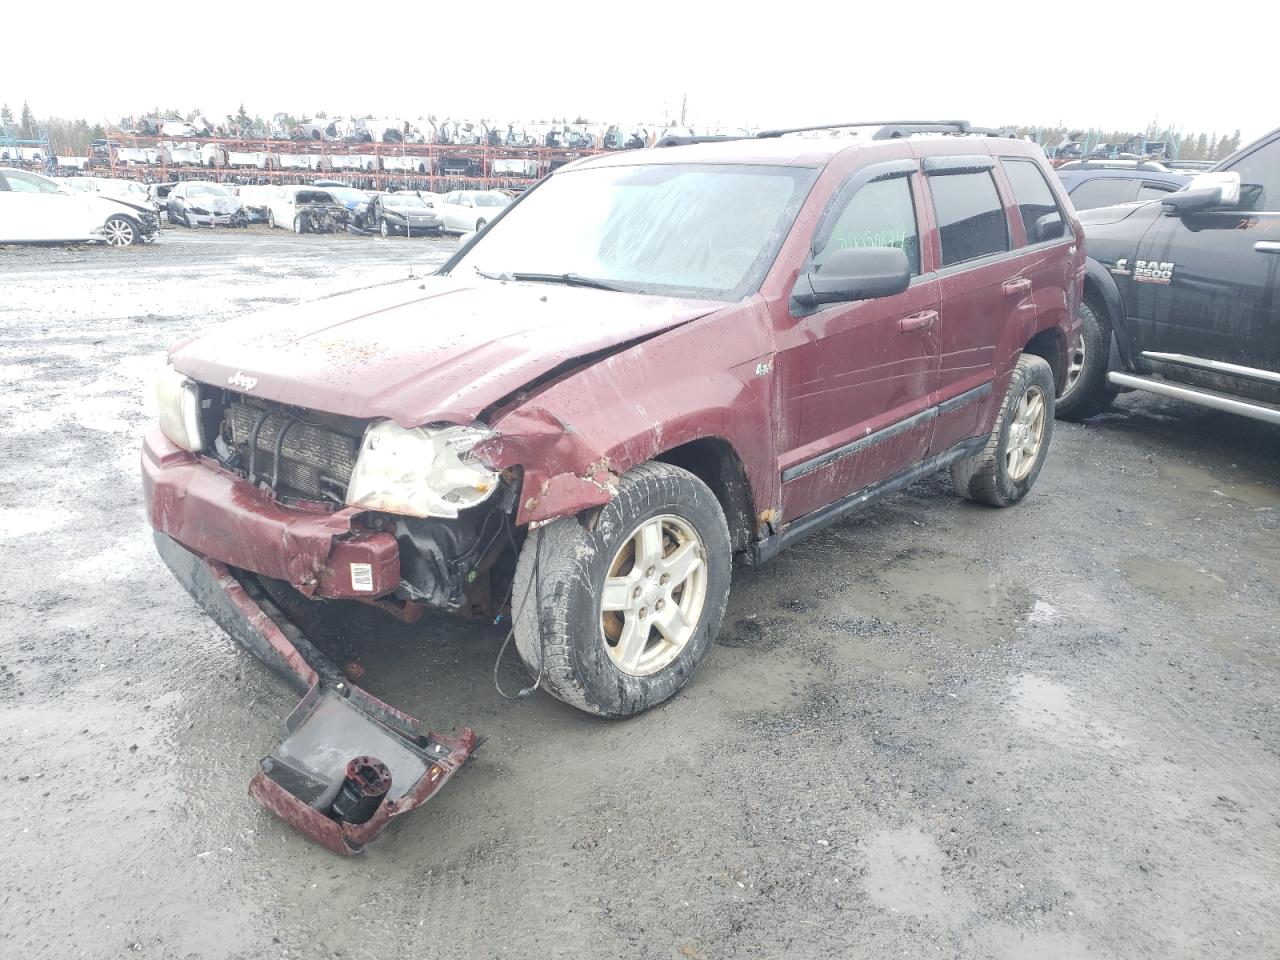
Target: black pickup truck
1182,294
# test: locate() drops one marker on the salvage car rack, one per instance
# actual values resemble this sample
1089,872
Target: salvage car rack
439,167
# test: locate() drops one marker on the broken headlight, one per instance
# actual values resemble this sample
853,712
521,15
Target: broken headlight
178,404
422,472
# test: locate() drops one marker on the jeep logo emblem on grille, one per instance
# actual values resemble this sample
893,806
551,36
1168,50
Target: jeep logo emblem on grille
238,379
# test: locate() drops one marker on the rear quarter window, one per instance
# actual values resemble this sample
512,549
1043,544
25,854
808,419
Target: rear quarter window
1103,192
1041,218
971,218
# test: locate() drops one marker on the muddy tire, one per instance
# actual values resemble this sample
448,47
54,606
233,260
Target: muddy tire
1008,465
1087,392
615,609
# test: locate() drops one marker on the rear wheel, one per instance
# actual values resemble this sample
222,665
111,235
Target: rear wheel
1086,391
1008,465
614,610
120,232
271,220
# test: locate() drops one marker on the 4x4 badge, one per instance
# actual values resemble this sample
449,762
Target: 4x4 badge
239,379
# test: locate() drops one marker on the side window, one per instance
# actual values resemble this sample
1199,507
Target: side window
25,183
971,218
1041,218
1260,179
1152,191
880,214
1103,192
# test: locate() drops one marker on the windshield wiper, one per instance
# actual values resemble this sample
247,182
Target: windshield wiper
568,279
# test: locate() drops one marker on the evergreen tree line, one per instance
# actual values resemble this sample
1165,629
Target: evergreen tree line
71,137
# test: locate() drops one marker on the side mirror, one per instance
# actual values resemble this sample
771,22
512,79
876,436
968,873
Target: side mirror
1208,191
1048,227
854,273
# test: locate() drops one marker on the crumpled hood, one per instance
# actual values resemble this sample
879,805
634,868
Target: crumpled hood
422,351
215,204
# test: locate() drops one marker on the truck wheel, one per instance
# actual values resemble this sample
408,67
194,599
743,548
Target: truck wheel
614,609
1087,392
1008,466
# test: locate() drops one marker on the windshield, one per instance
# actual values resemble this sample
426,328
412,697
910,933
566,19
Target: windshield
210,188
492,200
699,230
347,194
404,200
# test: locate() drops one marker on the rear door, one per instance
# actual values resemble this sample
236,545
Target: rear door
984,290
1207,286
855,378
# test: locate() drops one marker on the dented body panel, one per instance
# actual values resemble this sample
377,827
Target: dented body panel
423,351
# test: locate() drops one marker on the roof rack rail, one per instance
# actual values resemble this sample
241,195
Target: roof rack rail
674,140
893,129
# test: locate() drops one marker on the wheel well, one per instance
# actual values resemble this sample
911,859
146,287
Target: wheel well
715,462
1049,345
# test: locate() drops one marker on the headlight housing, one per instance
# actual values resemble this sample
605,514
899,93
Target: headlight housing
178,404
420,472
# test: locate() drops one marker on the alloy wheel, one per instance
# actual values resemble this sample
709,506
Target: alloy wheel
1026,434
654,595
118,232
1075,363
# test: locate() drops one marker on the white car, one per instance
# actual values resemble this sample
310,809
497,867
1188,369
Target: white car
465,210
294,208
36,208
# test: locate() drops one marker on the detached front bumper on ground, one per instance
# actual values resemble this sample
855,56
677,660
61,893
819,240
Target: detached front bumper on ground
350,762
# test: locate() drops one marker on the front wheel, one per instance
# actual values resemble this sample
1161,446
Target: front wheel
384,229
480,224
615,609
120,232
1086,391
298,225
1005,470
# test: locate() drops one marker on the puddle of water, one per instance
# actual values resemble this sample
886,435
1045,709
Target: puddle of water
1051,710
1224,484
904,875
1172,580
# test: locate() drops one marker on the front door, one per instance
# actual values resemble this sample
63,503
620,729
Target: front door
855,378
1207,285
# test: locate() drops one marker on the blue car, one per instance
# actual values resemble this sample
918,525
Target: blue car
1103,183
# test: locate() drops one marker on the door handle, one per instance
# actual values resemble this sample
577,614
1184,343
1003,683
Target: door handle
1267,246
1016,288
917,321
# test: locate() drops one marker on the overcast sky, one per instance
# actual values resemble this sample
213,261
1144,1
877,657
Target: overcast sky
1113,65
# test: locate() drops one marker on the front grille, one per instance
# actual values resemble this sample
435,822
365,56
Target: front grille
316,460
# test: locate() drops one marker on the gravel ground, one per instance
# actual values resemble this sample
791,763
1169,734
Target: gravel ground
933,730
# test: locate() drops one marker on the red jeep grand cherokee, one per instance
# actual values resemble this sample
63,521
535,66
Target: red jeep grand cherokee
651,362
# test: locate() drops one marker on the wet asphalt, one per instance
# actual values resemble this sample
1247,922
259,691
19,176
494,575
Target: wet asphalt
935,730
